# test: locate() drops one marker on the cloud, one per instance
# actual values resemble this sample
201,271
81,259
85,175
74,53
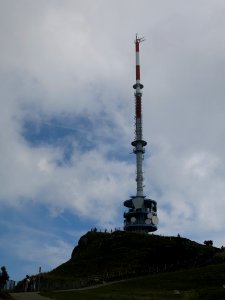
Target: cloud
190,191
66,121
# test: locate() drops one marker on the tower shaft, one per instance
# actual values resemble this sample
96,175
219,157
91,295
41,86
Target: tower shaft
142,214
138,143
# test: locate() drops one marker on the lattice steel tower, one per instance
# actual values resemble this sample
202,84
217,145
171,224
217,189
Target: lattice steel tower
142,212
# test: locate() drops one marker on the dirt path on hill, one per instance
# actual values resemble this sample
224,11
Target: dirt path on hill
37,296
28,296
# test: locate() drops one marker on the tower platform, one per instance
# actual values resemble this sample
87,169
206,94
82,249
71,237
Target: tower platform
141,216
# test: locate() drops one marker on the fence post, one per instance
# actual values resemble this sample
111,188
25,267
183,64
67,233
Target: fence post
39,279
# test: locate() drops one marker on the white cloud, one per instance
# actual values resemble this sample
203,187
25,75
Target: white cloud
77,59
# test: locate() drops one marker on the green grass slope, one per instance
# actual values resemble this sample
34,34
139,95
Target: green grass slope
195,283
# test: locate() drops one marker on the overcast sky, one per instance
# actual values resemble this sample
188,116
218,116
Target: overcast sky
67,120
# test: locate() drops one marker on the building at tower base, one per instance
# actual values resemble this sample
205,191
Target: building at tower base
141,215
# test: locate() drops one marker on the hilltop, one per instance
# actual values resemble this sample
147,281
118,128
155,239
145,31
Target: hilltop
115,255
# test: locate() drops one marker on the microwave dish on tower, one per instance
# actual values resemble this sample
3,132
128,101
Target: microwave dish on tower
142,212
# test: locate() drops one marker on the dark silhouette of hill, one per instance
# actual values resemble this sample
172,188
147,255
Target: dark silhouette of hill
103,256
110,256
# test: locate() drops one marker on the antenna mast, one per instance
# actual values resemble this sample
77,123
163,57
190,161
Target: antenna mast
142,214
138,143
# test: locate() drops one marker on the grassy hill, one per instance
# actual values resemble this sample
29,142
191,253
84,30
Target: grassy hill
161,267
146,266
108,256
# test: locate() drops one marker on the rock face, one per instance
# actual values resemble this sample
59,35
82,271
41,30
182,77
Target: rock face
113,255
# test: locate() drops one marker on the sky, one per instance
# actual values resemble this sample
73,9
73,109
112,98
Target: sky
67,121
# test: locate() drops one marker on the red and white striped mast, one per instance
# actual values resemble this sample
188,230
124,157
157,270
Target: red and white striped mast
139,143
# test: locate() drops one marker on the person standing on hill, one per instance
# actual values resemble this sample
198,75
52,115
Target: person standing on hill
4,277
27,283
